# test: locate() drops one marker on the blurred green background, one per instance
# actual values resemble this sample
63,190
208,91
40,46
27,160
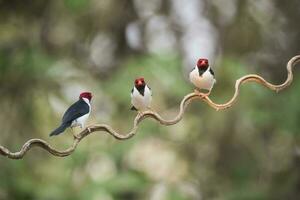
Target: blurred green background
50,51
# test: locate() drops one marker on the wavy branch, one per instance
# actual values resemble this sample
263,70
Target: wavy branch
150,114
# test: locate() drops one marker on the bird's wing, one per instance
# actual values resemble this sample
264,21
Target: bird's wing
211,71
76,110
192,70
131,93
149,89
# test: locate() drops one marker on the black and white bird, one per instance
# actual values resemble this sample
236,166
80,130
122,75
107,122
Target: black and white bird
202,76
76,115
141,95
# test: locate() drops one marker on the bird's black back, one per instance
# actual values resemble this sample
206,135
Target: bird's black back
78,109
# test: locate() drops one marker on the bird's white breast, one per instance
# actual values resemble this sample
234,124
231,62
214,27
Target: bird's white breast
206,81
139,101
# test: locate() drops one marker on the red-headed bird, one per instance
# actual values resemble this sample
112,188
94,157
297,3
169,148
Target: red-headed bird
203,77
76,115
141,95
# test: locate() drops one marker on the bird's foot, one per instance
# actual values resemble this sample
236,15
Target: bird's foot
89,129
140,113
201,94
197,91
76,136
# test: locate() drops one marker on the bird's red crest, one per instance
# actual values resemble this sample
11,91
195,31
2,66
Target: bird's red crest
139,81
87,95
202,63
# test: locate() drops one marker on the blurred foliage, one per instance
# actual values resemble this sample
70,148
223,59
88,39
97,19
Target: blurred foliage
52,50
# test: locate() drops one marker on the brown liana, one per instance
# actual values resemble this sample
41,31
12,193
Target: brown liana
151,114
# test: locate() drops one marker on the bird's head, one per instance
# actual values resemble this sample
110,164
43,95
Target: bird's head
202,64
139,82
86,95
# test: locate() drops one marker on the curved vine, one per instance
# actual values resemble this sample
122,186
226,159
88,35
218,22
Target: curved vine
151,114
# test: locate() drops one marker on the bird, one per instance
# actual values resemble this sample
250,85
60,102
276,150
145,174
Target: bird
76,114
203,77
141,95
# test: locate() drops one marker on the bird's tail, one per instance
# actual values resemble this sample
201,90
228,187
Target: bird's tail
59,130
133,108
